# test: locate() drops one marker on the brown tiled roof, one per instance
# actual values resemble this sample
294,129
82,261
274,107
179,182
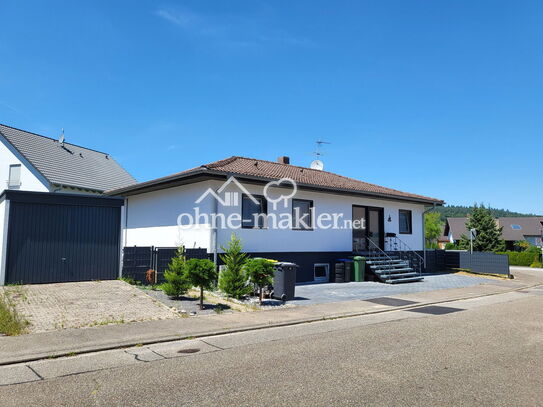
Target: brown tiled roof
269,170
529,226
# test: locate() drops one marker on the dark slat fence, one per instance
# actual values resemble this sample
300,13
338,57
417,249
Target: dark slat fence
138,259
478,262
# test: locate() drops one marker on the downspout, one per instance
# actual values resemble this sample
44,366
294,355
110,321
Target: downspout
124,235
424,232
215,233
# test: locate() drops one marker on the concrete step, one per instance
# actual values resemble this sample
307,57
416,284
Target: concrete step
394,271
390,265
404,280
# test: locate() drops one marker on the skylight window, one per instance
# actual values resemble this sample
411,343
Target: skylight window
516,227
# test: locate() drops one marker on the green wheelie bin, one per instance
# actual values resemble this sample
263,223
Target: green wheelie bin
359,268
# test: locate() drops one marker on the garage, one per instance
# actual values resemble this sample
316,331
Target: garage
49,237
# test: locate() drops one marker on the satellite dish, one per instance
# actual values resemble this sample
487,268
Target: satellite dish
317,165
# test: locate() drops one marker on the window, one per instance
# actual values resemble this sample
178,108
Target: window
406,224
14,181
301,214
253,215
321,271
516,227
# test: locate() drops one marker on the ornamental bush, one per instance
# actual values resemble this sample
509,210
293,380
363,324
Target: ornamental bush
201,273
260,272
233,280
176,283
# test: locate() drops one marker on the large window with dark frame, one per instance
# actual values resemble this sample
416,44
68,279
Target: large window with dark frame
406,222
302,214
253,214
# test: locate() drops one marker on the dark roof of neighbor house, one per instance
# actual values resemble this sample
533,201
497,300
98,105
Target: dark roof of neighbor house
456,227
263,170
529,226
68,164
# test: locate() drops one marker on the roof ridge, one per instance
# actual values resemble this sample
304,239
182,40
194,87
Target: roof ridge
50,138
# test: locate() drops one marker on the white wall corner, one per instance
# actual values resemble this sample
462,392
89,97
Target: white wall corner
4,241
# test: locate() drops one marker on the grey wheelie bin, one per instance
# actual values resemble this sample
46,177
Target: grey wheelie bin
284,280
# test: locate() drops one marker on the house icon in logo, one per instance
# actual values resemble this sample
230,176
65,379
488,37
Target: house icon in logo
230,198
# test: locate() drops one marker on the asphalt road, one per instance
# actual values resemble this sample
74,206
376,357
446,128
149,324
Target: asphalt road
489,353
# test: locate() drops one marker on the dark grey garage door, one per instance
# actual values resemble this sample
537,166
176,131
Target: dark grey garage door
60,238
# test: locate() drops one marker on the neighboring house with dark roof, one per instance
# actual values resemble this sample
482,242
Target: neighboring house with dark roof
514,229
156,212
32,162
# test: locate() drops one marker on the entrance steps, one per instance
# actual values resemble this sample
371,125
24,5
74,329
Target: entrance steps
392,269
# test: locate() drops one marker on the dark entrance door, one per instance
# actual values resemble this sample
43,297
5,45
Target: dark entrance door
370,225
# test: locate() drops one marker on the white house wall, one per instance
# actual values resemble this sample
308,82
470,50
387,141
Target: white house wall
152,221
321,240
3,239
151,218
31,179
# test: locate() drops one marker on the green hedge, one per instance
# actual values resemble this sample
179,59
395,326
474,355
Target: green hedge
521,258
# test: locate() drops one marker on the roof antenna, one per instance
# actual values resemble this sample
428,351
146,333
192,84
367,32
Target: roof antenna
317,163
61,139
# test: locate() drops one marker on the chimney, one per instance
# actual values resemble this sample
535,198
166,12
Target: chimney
283,160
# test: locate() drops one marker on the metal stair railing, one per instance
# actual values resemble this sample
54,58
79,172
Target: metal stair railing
375,250
396,245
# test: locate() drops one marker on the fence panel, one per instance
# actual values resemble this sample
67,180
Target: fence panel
137,260
489,263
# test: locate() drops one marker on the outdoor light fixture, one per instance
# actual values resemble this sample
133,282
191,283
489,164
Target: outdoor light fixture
389,219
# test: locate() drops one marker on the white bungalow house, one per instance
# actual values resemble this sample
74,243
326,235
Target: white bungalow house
157,213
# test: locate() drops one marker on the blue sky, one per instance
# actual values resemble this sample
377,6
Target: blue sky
439,98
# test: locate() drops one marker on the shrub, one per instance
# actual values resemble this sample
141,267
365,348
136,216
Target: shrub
201,273
176,283
451,246
232,279
521,258
536,264
260,272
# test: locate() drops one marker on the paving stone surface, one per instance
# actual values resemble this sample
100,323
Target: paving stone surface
83,304
334,292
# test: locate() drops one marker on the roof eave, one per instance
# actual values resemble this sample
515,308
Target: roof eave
163,183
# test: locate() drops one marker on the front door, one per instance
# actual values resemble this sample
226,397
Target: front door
370,226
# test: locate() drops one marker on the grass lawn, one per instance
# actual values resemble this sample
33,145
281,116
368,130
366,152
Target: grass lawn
11,322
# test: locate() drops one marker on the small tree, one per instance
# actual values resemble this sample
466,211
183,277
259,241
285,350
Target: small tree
201,273
176,282
232,279
488,238
433,228
260,272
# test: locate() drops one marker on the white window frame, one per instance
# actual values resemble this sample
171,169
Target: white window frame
17,183
322,279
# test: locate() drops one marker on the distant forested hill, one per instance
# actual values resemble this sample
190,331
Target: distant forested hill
458,211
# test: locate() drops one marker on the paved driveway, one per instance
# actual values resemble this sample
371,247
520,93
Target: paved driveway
334,292
75,305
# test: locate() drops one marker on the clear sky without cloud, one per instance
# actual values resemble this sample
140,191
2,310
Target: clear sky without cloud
441,98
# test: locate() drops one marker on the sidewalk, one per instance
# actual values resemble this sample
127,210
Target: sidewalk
60,343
